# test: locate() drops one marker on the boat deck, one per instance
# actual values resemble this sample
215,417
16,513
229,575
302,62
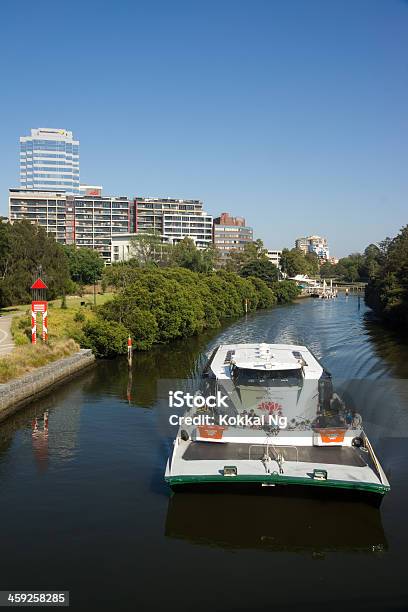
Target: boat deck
207,451
346,467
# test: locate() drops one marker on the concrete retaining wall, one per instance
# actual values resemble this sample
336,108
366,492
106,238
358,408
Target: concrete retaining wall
19,392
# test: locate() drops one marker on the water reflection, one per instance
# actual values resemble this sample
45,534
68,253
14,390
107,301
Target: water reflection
275,522
40,441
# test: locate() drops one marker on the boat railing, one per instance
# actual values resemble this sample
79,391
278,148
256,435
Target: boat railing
374,459
266,447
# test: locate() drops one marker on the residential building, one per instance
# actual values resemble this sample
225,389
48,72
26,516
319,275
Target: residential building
88,221
45,208
173,219
230,234
274,257
314,244
96,219
49,160
302,244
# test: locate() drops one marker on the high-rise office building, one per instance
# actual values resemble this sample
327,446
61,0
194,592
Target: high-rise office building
230,235
49,160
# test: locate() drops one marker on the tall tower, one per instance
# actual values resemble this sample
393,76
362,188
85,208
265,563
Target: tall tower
49,159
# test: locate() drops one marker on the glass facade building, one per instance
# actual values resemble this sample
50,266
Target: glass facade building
49,160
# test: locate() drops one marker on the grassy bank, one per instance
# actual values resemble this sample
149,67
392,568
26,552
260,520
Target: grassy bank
152,305
26,358
65,327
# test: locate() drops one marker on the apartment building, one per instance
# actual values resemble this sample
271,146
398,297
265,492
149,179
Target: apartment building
96,219
87,221
45,208
173,219
314,244
230,234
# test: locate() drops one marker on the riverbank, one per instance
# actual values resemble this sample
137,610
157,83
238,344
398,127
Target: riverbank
153,306
17,393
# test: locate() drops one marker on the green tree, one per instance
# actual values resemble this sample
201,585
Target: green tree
186,255
266,297
313,264
387,292
260,268
30,249
328,270
85,265
294,262
348,268
252,251
372,260
149,249
286,291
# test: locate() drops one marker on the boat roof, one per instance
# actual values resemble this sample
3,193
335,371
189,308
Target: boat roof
264,357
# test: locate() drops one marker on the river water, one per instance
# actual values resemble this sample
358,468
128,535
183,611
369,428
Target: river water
85,508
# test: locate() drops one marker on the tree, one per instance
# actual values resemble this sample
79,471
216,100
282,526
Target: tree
372,260
85,265
328,270
24,250
260,268
387,292
252,251
286,291
294,262
186,255
348,268
313,264
266,297
149,249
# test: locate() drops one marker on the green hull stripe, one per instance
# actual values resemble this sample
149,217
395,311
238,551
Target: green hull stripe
276,479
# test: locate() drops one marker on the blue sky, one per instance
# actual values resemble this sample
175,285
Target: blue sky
291,113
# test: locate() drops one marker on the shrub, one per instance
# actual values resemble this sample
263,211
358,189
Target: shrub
285,291
21,330
79,317
266,297
105,338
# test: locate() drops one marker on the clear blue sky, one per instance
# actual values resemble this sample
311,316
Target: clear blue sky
291,113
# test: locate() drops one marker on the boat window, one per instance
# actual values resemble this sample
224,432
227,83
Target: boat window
284,378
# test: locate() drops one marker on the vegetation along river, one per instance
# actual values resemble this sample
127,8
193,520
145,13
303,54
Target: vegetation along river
86,509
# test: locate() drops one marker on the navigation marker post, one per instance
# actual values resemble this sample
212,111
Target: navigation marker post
39,304
129,352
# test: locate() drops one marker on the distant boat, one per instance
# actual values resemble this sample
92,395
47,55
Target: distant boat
280,424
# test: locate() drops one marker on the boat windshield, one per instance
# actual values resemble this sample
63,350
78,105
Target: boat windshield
270,378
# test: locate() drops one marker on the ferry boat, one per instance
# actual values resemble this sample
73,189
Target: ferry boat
277,422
